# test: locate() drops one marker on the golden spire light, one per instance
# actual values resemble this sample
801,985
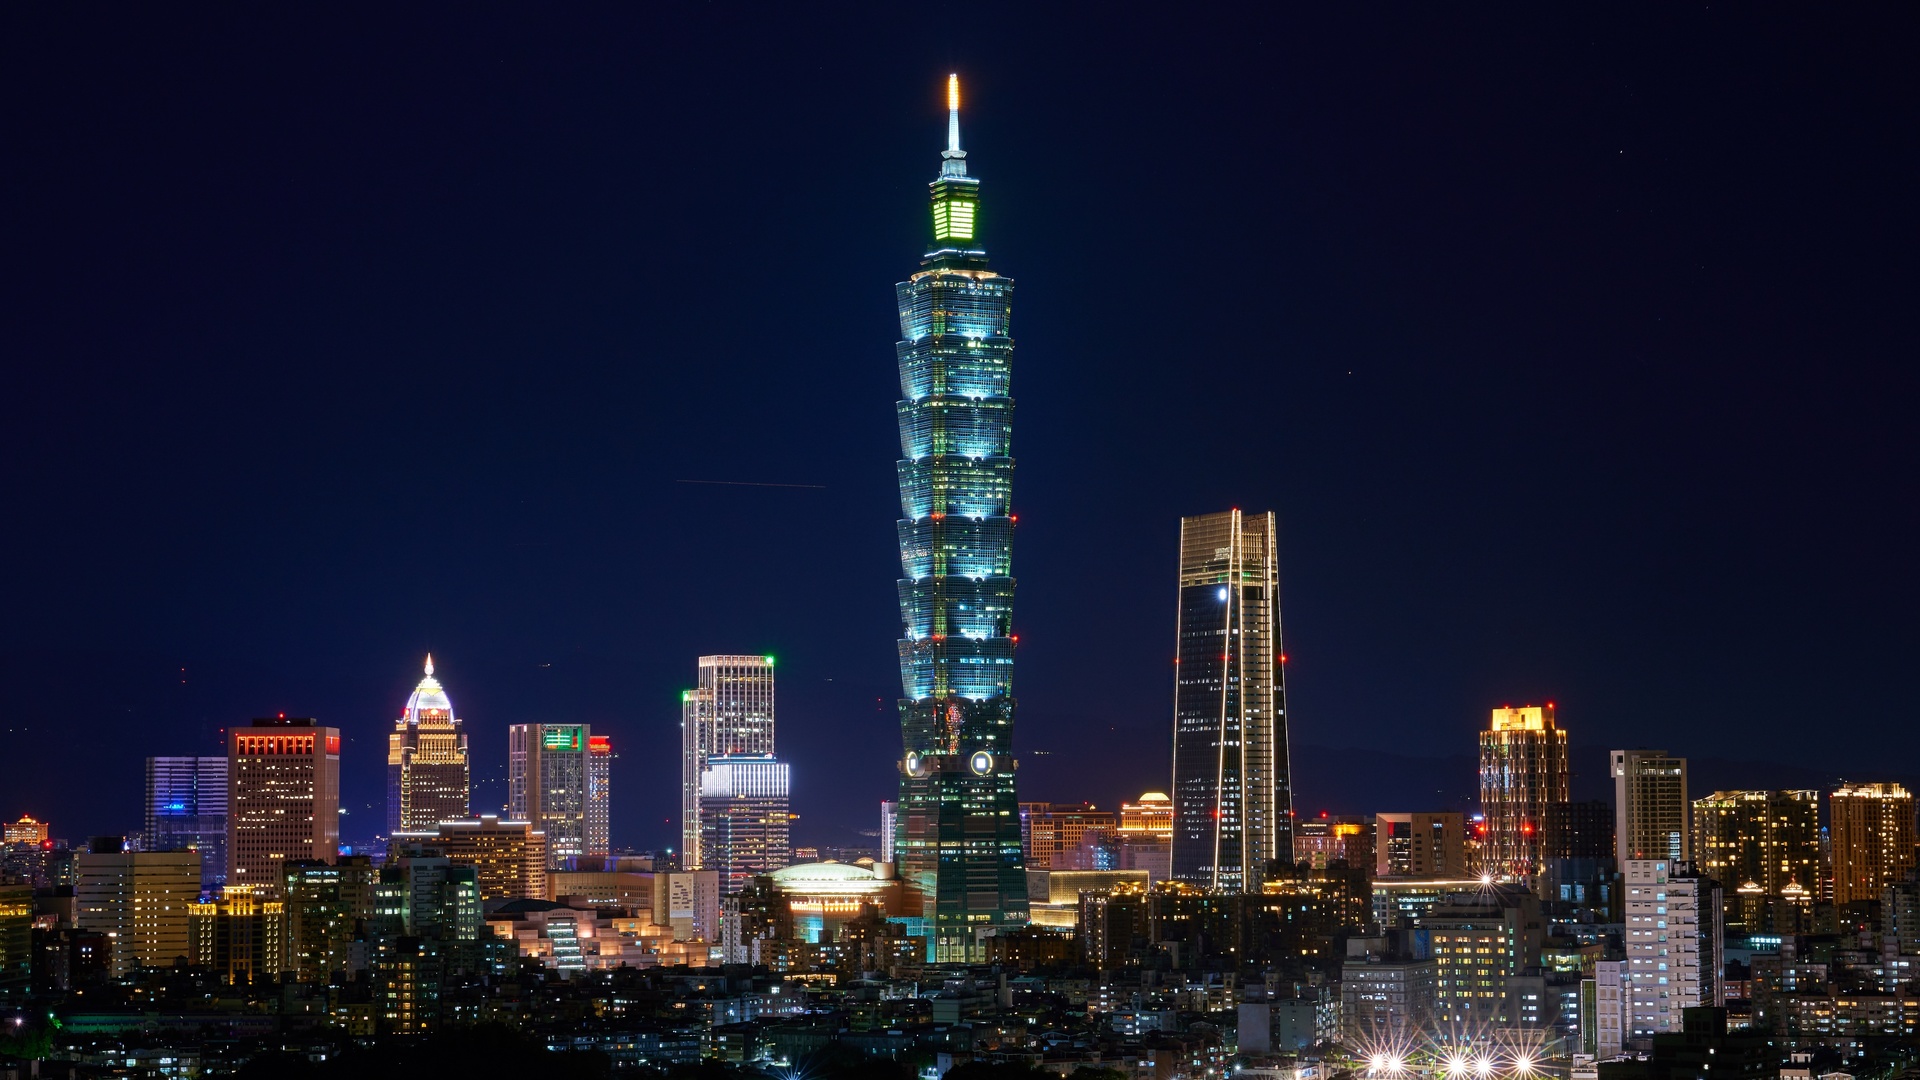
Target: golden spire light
953,114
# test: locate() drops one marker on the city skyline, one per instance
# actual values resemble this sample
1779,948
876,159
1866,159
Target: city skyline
1405,606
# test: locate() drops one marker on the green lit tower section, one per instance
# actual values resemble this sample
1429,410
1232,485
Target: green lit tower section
958,843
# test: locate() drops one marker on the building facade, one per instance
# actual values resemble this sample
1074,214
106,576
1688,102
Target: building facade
547,771
1673,945
959,841
187,811
1232,794
744,801
730,711
1766,838
138,899
1523,768
1051,832
1420,844
1871,832
600,757
283,799
239,936
509,858
1481,939
428,776
1651,818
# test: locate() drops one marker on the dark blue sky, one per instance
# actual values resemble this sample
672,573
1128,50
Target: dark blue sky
1574,348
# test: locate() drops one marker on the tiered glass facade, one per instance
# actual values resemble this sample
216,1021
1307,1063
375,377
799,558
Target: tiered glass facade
958,841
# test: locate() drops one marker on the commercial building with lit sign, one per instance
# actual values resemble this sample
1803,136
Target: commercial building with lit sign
283,799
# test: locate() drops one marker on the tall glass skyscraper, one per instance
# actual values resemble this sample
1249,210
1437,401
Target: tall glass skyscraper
187,808
959,824
1232,787
547,784
729,712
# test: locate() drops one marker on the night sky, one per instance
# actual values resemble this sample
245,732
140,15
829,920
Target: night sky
1575,349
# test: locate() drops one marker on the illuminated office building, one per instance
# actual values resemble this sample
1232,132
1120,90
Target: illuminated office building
187,811
138,899
1050,833
1232,796
1151,816
27,830
743,818
730,711
1523,768
1650,808
1870,828
599,795
283,799
509,858
547,785
1766,838
959,841
889,826
428,778
238,936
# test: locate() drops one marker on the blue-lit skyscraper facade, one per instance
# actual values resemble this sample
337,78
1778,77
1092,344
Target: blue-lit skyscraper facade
187,810
1232,792
958,840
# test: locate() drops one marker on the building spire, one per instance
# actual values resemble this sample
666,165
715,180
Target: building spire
956,158
429,664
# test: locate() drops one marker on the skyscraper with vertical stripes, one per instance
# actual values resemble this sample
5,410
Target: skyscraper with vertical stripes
1232,787
958,842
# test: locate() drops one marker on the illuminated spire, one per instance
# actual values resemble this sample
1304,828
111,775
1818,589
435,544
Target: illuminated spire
956,158
429,663
953,114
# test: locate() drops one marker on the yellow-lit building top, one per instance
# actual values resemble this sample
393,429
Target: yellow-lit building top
1524,718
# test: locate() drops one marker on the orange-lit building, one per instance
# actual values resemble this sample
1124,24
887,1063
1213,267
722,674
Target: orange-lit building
508,857
26,831
1871,830
283,799
1051,832
1151,816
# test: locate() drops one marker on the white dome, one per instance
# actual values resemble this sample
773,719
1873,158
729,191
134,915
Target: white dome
429,702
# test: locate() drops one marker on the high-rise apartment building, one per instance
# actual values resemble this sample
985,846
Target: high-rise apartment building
138,899
326,904
428,777
509,858
283,799
547,769
744,800
600,757
1481,939
1766,838
1420,844
1673,946
1523,768
1871,833
959,841
729,712
1232,794
1650,807
187,811
889,826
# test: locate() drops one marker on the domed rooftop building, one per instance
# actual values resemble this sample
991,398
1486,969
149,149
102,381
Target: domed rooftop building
823,896
428,776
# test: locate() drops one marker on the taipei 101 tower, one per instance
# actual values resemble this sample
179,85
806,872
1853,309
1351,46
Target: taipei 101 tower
958,841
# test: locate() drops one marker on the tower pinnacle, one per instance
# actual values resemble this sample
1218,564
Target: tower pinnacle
956,158
429,663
